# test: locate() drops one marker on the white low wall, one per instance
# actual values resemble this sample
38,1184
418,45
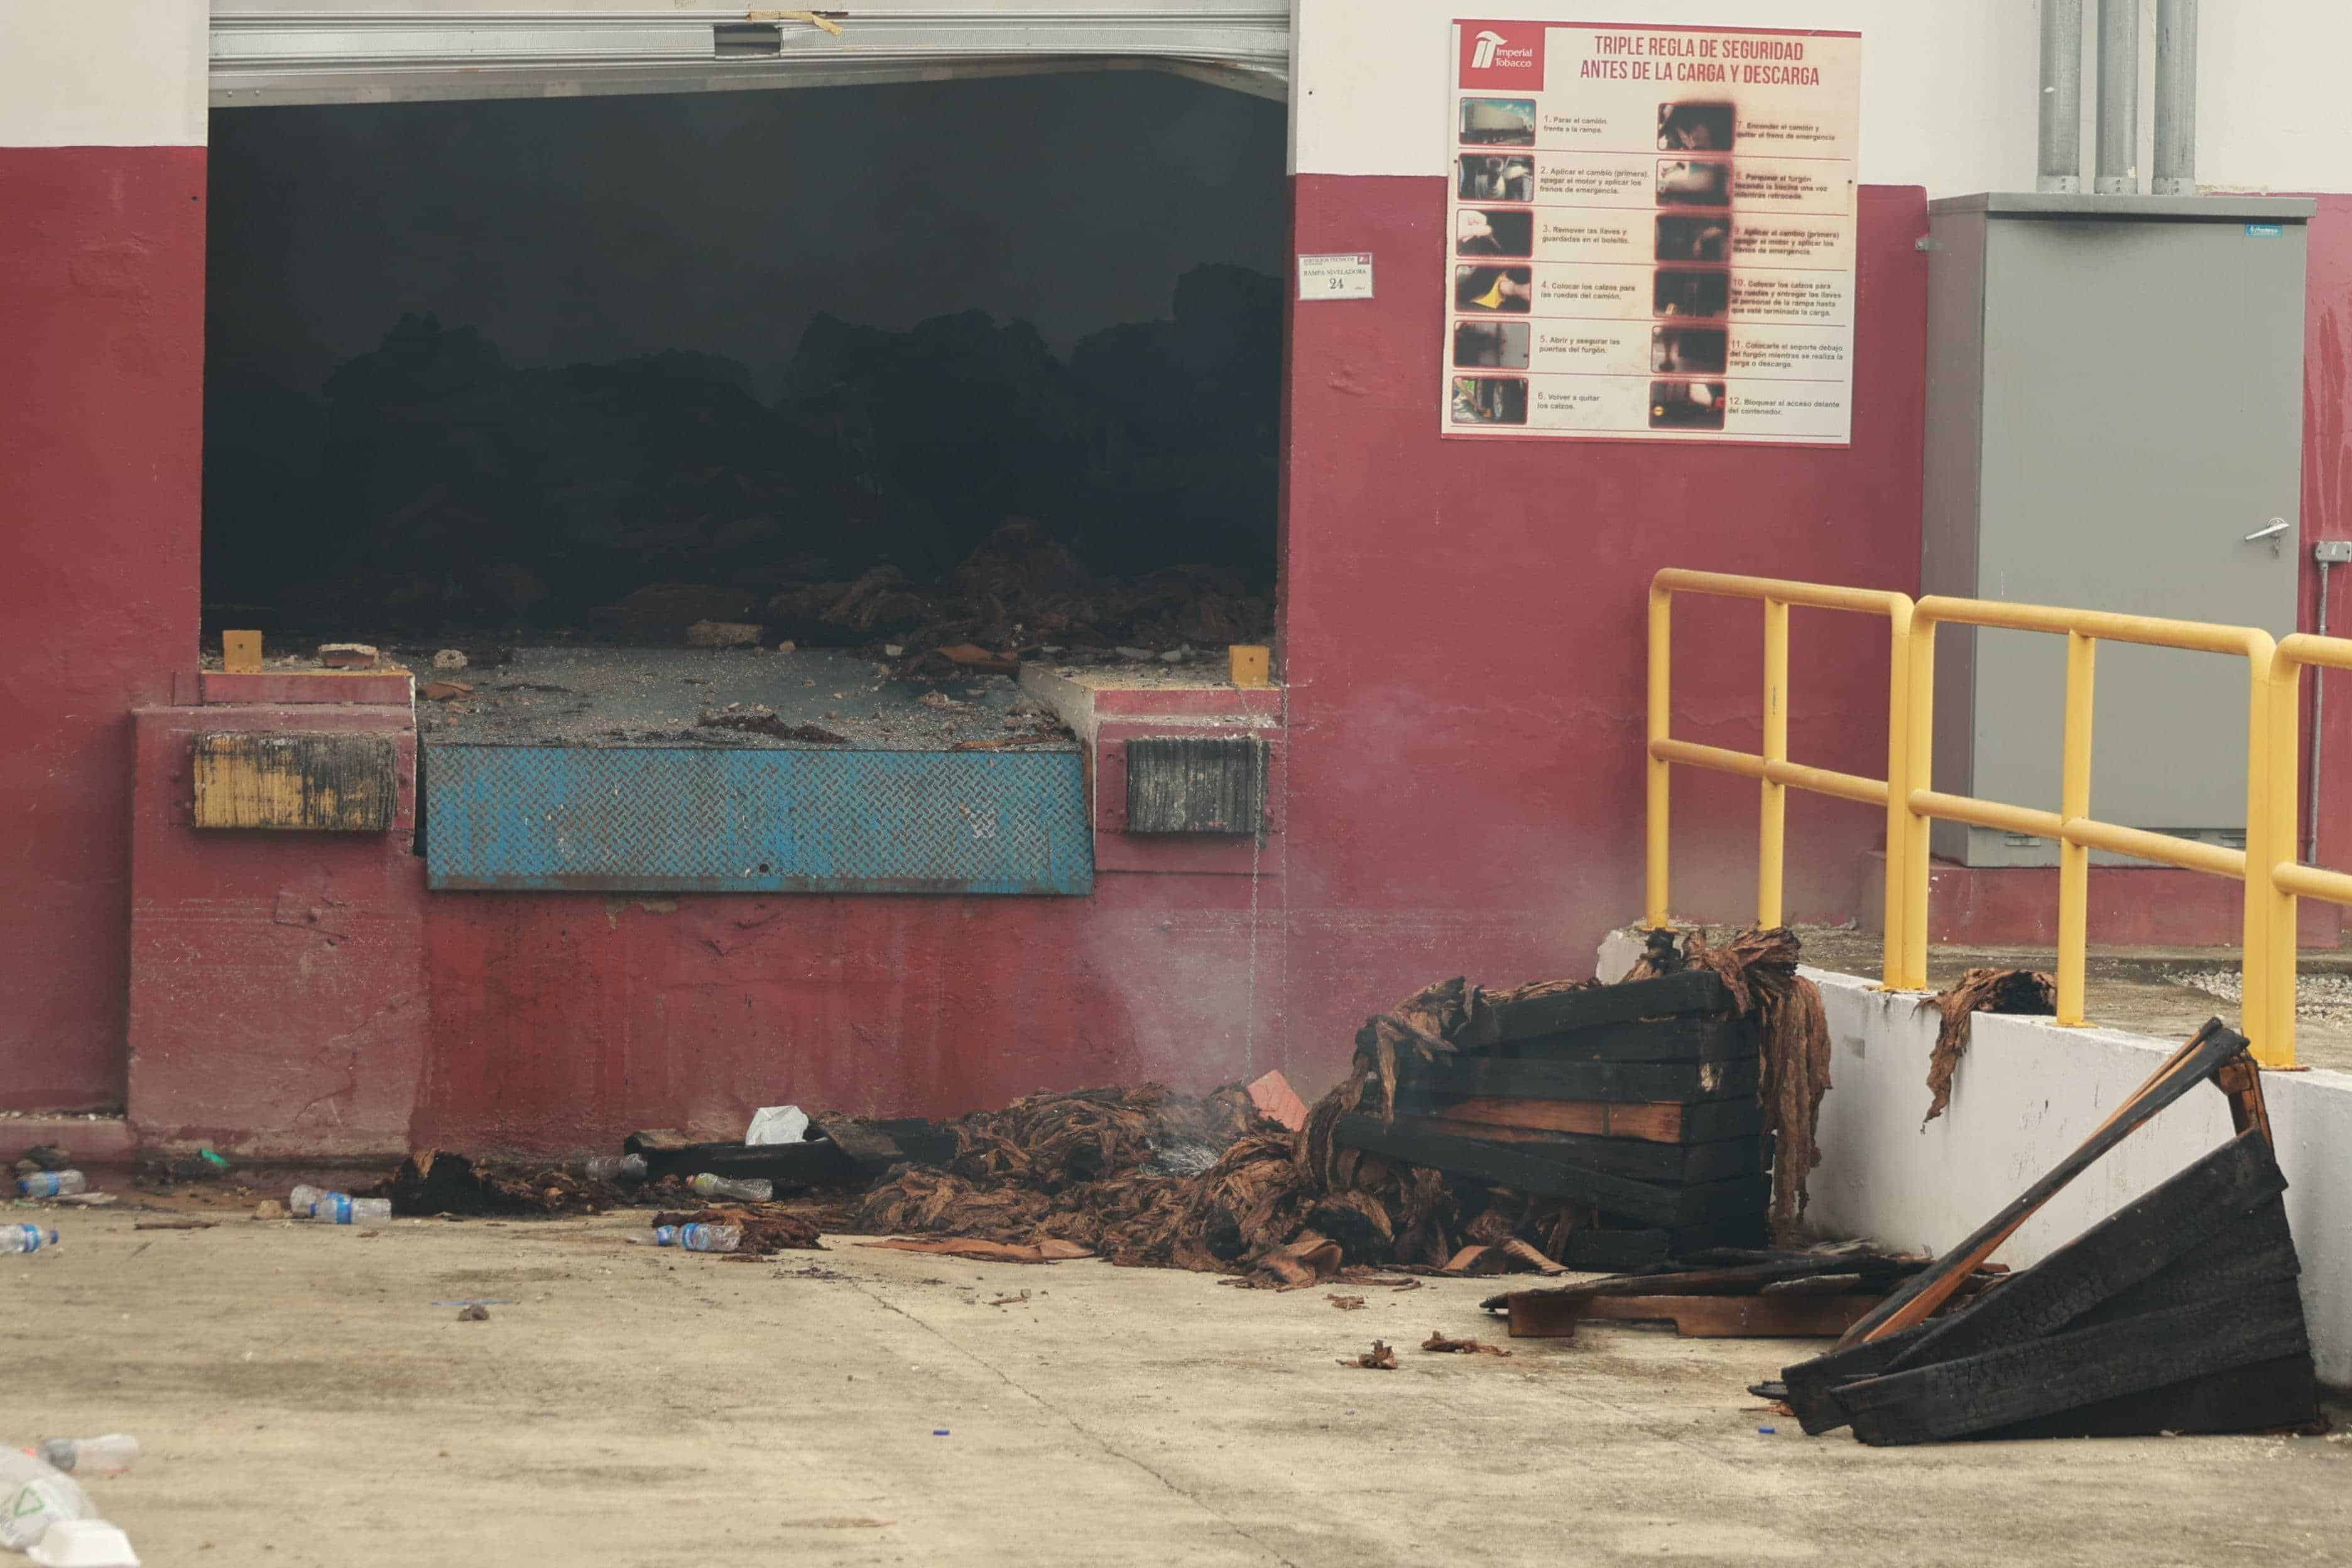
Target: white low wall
2026,1093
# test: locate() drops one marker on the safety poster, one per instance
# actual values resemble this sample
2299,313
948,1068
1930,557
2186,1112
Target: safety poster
1650,233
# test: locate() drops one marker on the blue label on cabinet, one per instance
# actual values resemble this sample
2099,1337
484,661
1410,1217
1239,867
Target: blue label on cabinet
2264,230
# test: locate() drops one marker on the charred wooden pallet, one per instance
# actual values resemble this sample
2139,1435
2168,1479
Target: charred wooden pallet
2179,1312
1560,1077
1512,1165
1689,993
1639,1159
1638,1099
1719,1038
1709,1122
1759,1293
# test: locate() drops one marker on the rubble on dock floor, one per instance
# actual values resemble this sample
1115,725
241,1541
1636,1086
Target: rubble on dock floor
1148,1176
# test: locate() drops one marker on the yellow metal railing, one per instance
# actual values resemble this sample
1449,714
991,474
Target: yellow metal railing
1775,773
2072,825
2267,868
2284,876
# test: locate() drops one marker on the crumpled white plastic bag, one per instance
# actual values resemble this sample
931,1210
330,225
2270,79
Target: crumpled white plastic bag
777,1124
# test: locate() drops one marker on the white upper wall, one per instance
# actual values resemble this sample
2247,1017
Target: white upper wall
120,73
1949,86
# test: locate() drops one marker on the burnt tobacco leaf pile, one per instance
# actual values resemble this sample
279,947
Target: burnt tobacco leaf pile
1148,1176
435,1182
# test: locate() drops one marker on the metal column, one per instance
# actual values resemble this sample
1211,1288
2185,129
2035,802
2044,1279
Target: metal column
2175,97
2062,97
2118,138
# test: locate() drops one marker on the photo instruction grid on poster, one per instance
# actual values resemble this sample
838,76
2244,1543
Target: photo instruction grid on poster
1650,233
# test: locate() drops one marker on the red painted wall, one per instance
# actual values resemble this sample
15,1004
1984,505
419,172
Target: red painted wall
1461,790
1463,633
561,1020
277,993
103,275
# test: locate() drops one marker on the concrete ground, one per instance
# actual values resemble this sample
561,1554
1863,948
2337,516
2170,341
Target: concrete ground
307,1395
2166,992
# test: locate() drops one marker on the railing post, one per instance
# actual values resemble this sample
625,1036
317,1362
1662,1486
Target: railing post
1661,642
1918,723
1774,806
1891,974
2278,715
2073,804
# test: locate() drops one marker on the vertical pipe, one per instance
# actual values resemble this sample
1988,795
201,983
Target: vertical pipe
2279,711
1892,973
1919,722
1773,813
2062,97
2118,137
1661,642
2175,97
2074,803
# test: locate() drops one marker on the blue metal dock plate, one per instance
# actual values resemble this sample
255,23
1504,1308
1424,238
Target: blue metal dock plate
689,819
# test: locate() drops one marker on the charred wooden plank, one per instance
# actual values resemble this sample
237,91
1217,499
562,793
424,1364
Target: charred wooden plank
1634,1248
816,1162
924,1141
1667,997
1515,1168
2078,1367
1543,1314
1706,1121
1811,1383
1691,1039
2214,1198
1874,1273
2242,1080
1679,1082
2258,1397
2258,1250
2195,1062
1682,1163
863,1143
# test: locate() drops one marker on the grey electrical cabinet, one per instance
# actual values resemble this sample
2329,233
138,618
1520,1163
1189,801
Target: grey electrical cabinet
2114,418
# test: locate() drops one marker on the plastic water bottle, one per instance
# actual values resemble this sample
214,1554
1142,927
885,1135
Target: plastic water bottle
53,1184
303,1201
109,1456
699,1238
336,1209
25,1238
34,1494
749,1190
614,1167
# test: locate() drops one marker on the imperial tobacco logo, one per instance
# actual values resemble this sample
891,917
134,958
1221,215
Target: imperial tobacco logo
1493,58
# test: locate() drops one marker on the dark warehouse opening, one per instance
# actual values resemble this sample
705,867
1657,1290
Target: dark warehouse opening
977,363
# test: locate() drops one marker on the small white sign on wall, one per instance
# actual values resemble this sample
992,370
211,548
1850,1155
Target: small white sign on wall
1335,277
